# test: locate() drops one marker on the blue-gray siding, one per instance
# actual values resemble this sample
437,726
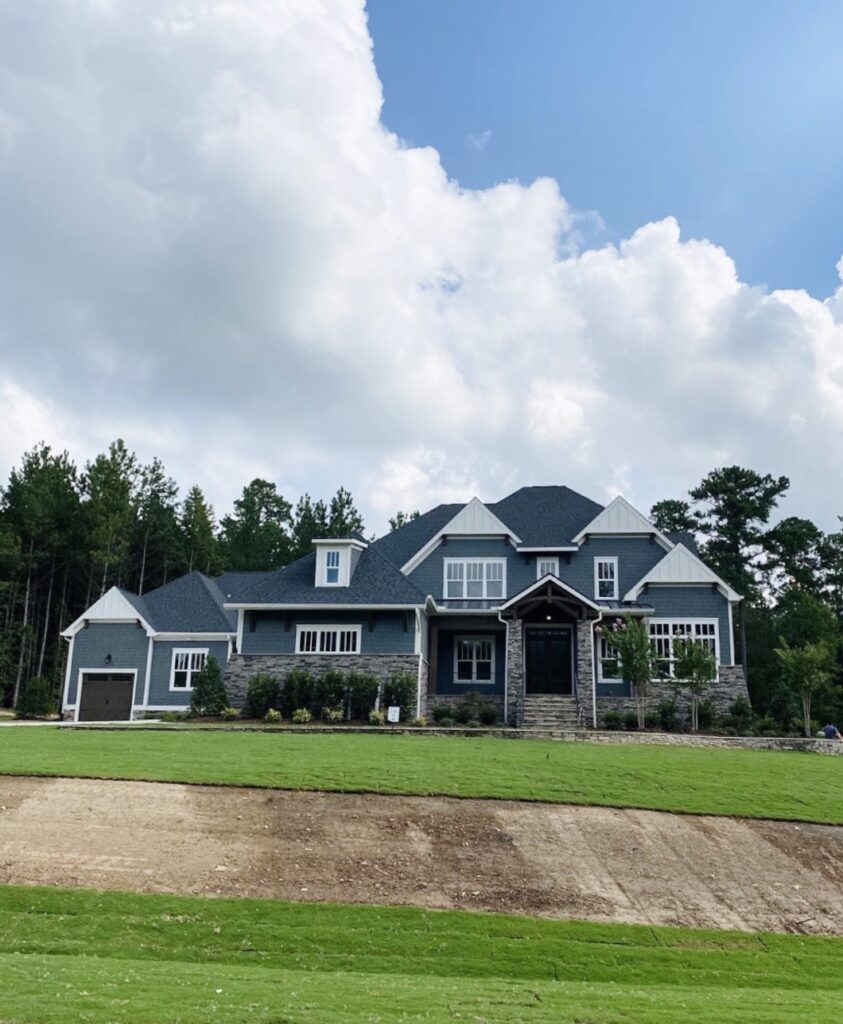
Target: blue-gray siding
381,633
445,683
696,603
162,659
125,642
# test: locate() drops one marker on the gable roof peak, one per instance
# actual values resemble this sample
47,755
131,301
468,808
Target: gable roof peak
681,567
620,517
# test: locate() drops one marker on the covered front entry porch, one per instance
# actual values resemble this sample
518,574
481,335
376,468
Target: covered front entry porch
550,655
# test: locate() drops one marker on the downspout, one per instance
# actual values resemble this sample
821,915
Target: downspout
505,671
594,624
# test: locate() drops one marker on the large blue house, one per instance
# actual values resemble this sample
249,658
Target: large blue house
510,600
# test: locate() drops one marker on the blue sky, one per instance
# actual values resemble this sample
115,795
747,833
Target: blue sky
727,115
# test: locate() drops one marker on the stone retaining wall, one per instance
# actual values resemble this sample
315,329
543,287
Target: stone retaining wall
723,692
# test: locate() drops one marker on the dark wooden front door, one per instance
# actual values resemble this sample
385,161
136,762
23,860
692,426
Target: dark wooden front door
548,661
106,697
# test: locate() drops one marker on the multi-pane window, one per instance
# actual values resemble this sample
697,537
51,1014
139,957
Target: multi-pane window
664,634
474,578
185,665
609,662
327,639
606,579
547,567
474,660
332,566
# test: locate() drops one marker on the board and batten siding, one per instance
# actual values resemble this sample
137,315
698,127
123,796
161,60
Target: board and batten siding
380,633
162,660
127,644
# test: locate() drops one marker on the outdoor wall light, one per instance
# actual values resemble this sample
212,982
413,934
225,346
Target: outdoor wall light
108,659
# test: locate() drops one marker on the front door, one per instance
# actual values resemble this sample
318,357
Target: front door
548,661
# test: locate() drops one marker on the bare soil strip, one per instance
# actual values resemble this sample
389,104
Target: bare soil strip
558,861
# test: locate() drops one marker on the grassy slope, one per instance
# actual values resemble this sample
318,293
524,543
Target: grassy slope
69,957
760,784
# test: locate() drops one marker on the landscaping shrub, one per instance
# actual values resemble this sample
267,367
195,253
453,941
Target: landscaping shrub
329,690
630,721
230,714
272,716
705,714
487,714
377,717
419,723
668,713
335,714
171,716
400,690
262,693
209,695
740,716
440,713
767,726
36,699
612,720
301,716
652,720
362,689
297,691
463,714
446,722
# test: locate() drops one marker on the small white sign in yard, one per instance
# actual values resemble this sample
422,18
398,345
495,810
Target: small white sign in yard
393,715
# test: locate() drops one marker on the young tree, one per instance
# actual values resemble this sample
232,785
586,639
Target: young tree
806,670
209,695
343,517
402,518
694,670
673,516
198,536
310,522
631,640
257,535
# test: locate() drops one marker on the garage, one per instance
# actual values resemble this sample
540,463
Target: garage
106,697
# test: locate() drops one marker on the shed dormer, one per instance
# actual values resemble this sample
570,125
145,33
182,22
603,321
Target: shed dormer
336,560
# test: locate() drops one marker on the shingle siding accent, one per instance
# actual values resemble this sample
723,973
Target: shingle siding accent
125,642
162,659
381,632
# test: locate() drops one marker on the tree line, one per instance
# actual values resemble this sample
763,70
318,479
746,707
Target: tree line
67,534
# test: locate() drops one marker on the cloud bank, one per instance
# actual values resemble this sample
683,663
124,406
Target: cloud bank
213,247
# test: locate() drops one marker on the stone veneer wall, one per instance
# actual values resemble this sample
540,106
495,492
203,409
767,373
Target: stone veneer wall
730,684
585,671
514,672
242,667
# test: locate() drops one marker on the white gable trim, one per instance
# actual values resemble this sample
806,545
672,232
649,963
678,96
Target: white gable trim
113,606
619,518
558,584
473,520
681,567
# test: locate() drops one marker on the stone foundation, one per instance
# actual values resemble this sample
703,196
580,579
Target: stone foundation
242,667
730,684
585,671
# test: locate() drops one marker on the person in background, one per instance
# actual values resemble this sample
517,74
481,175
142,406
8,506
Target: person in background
831,732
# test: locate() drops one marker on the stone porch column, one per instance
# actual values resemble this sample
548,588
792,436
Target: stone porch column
515,672
585,671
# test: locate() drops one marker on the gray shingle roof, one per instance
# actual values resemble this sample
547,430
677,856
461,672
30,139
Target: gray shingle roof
375,580
234,584
400,545
189,604
684,537
546,516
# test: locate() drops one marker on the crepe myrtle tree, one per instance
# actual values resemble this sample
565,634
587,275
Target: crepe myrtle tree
694,670
806,670
631,639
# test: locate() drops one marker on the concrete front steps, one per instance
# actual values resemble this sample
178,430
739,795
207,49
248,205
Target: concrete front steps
553,712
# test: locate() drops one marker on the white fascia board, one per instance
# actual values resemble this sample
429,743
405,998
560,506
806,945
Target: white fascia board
681,567
111,607
619,518
473,520
347,541
194,636
548,549
558,584
442,609
312,606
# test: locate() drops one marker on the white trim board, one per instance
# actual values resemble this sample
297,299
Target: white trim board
113,606
619,518
681,567
473,520
556,582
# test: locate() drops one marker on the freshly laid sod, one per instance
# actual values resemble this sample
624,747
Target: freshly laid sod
115,958
755,784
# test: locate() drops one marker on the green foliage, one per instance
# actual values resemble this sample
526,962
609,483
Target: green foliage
631,640
333,714
487,714
377,717
36,699
740,716
463,713
402,518
695,669
273,716
631,722
301,716
668,715
440,713
343,517
400,689
230,714
805,671
199,546
298,690
330,689
613,720
362,688
263,691
673,515
705,714
310,523
420,722
209,695
257,534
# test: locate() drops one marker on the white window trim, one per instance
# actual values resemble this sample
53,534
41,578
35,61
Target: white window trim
687,620
474,682
540,560
597,595
338,581
190,672
465,561
330,627
613,680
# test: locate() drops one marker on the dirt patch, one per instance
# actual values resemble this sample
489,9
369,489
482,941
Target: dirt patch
549,860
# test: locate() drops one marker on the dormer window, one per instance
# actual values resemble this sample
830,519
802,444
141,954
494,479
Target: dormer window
606,579
332,567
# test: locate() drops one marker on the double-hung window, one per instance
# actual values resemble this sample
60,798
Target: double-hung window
606,579
547,567
665,633
328,639
474,660
332,566
186,664
475,578
609,666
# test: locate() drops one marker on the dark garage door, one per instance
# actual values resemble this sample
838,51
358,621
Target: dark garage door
106,697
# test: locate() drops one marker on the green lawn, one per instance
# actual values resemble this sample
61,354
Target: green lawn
115,958
759,784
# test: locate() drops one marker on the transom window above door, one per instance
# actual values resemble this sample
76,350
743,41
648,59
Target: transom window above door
606,579
475,578
547,567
